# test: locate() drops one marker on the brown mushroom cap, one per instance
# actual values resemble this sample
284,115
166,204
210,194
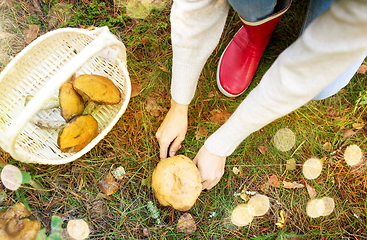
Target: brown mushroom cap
176,182
78,133
98,89
71,103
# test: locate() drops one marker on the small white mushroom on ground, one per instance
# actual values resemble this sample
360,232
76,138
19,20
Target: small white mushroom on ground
284,139
259,205
241,215
312,168
353,155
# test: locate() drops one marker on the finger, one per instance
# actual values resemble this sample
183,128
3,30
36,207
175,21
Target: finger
163,150
175,146
209,185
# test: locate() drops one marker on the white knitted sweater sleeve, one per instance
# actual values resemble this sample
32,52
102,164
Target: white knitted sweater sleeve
196,29
333,42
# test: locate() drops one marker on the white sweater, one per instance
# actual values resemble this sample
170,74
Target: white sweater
331,43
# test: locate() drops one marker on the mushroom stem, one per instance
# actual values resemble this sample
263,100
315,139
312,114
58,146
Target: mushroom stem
44,124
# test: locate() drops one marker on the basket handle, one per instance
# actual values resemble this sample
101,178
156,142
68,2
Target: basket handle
104,39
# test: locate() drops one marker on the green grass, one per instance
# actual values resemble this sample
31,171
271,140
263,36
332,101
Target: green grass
72,189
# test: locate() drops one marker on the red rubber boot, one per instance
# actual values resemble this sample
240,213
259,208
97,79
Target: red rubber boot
239,61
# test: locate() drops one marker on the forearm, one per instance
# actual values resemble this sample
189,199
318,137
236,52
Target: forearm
196,30
327,48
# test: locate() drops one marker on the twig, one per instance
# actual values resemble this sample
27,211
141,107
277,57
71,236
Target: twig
343,197
354,235
239,189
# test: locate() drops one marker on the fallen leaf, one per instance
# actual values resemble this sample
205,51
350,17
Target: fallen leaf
262,150
327,147
292,185
311,191
31,33
362,69
358,125
144,40
235,170
186,224
162,67
135,89
219,116
201,133
119,173
244,196
291,164
108,184
274,181
348,133
153,108
281,221
146,232
264,187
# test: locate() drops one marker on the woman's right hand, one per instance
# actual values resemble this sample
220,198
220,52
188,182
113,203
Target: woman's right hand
172,130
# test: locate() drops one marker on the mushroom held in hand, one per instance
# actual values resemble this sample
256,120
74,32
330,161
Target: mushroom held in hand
78,133
71,103
176,182
97,89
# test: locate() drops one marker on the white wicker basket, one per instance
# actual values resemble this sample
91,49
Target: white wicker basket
39,70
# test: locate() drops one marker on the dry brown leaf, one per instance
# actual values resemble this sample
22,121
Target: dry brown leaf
327,147
186,224
348,133
119,173
135,89
31,33
292,185
264,187
311,191
219,116
244,196
274,181
144,40
262,150
235,170
201,133
362,69
162,67
108,184
358,125
153,108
